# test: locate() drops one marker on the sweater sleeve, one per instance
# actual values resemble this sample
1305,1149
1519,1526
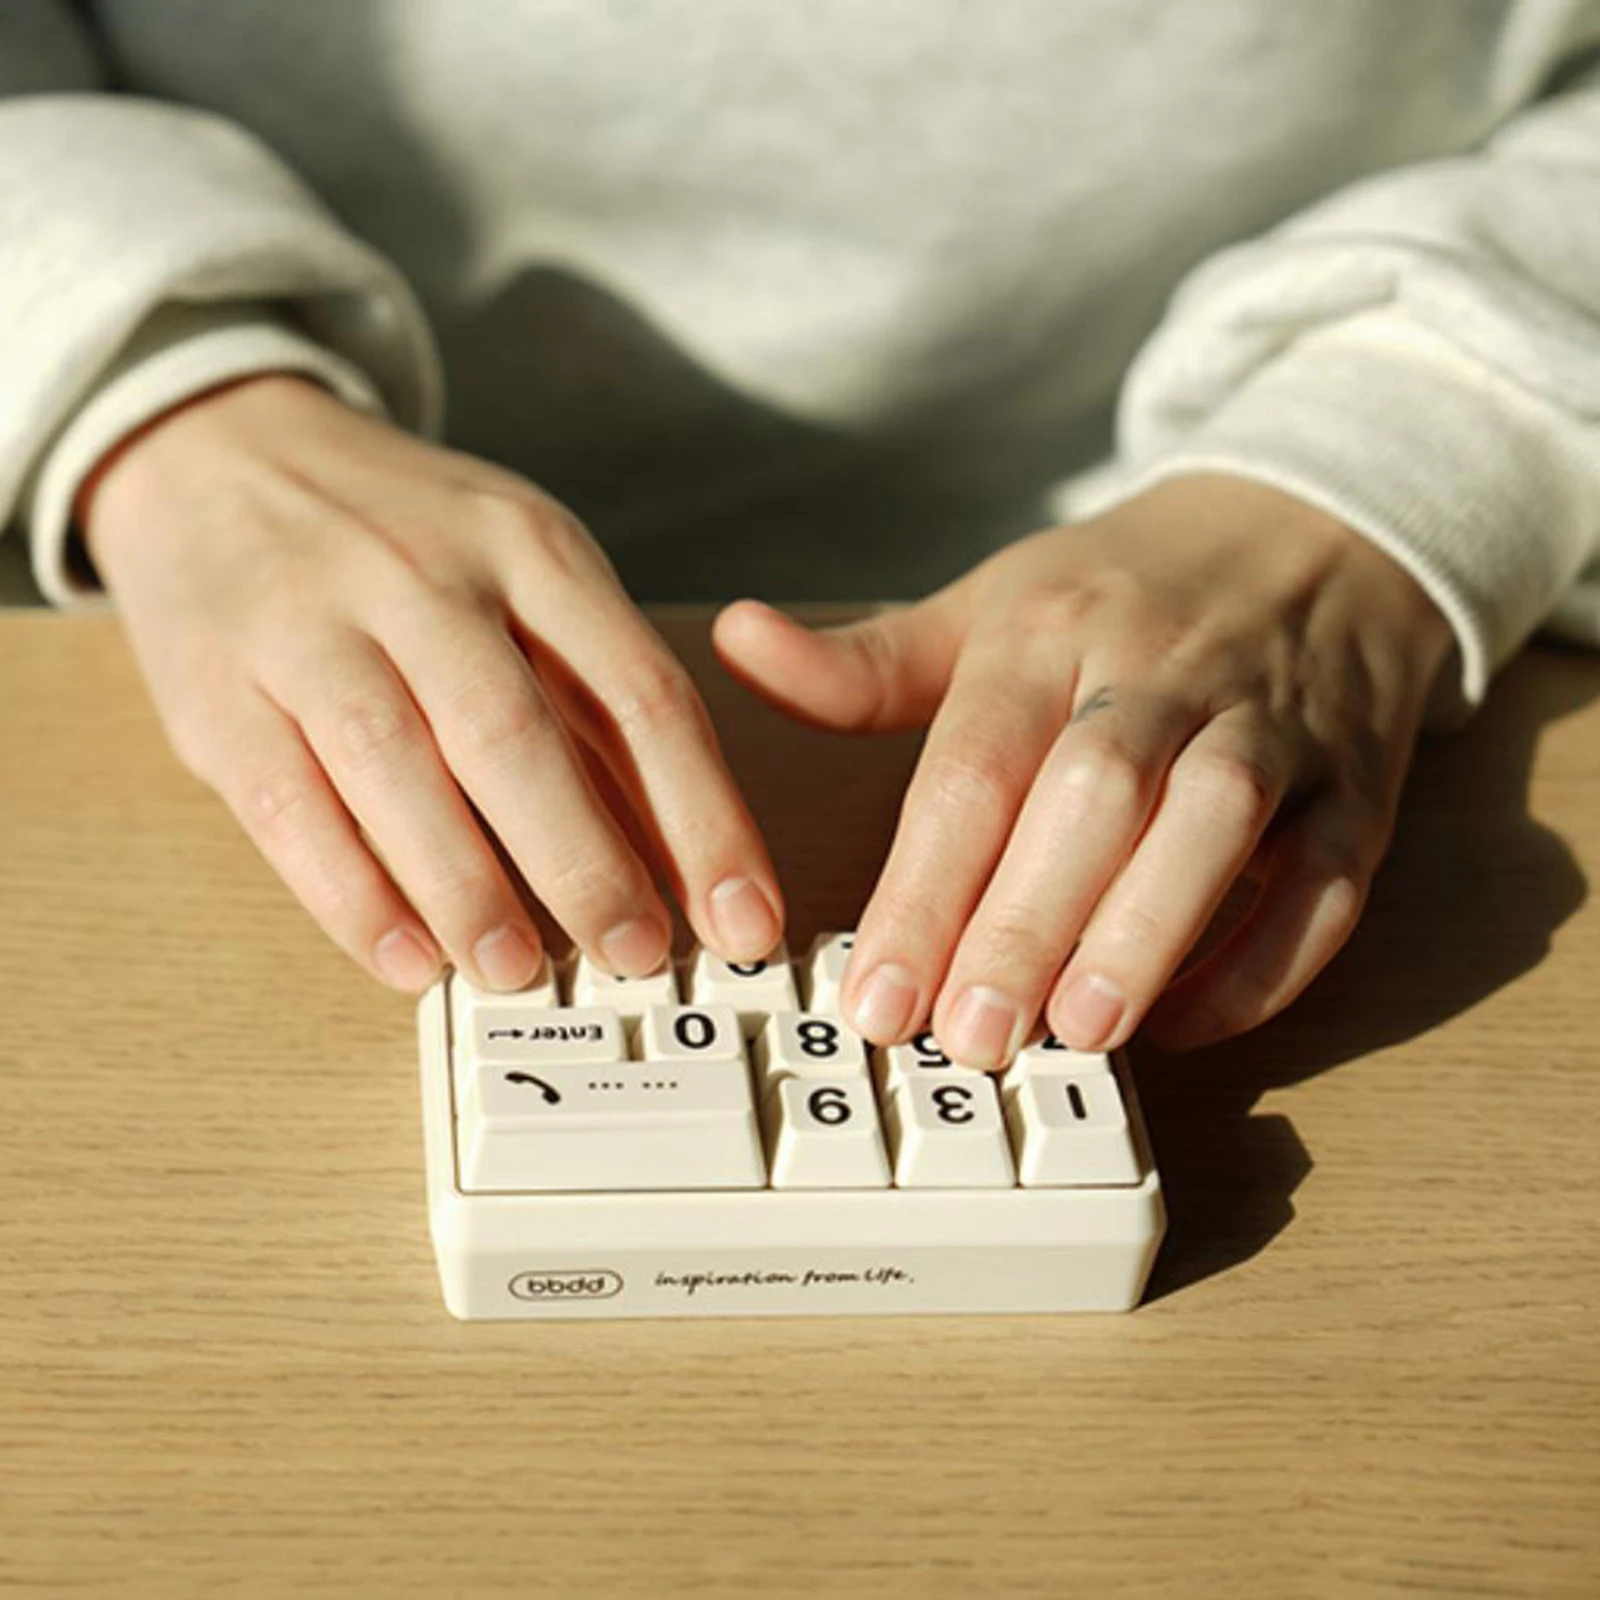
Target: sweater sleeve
1419,354
148,252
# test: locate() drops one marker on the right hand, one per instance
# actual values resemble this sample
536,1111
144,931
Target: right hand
366,644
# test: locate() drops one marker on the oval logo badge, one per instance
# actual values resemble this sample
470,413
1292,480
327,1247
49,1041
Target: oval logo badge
588,1284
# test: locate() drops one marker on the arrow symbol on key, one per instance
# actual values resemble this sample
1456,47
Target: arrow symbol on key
506,1033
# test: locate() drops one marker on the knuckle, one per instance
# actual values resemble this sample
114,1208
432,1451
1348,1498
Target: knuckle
1349,848
587,883
1102,772
456,893
1365,758
1249,997
874,649
1133,926
1338,860
655,693
1348,896
1211,1020
1013,940
441,590
1052,616
369,724
978,778
903,917
1233,785
528,524
351,905
490,716
274,805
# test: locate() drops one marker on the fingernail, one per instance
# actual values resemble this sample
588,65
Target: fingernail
1089,1009
506,959
634,948
744,918
982,1026
888,998
404,961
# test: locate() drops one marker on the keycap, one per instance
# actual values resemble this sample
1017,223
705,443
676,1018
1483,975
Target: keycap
948,1134
920,1057
537,1035
619,1125
824,971
590,986
689,1033
752,988
547,1034
586,1160
1071,1129
796,1044
1047,1056
467,1002
823,1133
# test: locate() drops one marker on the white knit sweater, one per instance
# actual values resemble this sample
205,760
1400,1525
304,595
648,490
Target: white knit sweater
836,298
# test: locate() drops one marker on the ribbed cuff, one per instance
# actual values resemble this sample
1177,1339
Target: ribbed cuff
1433,457
180,352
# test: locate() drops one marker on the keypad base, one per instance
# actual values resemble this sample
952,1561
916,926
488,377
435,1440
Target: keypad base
776,1252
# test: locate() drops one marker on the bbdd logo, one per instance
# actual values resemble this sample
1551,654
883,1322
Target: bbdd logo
584,1285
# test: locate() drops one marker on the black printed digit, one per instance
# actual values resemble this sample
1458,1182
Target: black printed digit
747,969
953,1103
1053,1043
819,1038
828,1105
926,1049
694,1030
1075,1100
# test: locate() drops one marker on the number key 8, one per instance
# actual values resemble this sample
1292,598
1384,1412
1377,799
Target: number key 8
793,1044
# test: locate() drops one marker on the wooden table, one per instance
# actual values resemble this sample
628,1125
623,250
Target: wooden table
1368,1365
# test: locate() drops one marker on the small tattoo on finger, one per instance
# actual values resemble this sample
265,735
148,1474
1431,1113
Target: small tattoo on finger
1098,701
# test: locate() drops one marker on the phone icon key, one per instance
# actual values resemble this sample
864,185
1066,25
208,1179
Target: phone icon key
552,1096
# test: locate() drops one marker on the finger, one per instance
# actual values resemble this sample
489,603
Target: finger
882,673
1319,875
1221,791
506,745
618,684
977,765
1082,818
364,727
257,760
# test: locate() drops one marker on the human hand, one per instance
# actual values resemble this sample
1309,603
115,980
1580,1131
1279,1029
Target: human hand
1213,680
407,671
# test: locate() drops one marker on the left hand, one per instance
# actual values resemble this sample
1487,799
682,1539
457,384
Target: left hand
1212,680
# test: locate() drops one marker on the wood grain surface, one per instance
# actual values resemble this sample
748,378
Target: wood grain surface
1368,1364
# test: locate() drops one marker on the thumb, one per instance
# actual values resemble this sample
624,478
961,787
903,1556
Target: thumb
885,672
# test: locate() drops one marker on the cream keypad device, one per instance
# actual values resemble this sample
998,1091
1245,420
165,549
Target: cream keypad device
714,1141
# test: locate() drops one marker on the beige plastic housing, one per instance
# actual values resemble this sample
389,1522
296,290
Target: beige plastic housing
767,1252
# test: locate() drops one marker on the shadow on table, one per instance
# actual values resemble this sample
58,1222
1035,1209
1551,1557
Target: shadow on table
1467,901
